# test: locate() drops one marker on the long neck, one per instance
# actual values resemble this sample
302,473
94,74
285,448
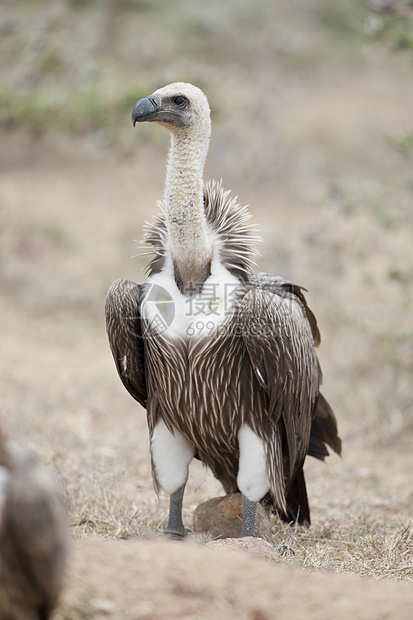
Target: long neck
189,244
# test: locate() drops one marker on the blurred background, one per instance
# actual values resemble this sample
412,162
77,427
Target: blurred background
312,112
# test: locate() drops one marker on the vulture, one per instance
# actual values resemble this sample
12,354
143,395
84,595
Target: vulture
222,358
33,536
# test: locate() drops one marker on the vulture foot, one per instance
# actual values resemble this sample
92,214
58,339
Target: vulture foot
248,517
174,534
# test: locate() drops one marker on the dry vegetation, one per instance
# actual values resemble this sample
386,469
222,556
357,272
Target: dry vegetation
312,126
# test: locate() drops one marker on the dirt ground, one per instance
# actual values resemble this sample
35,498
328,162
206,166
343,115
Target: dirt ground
314,148
150,580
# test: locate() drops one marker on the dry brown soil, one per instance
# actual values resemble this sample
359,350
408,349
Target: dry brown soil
152,579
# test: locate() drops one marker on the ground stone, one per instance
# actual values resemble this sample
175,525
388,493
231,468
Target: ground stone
220,516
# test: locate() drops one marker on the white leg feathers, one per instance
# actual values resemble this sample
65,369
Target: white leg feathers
171,455
252,476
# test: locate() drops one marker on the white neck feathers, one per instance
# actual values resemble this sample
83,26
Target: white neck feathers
188,242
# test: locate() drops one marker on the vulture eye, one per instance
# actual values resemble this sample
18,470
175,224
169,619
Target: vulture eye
180,101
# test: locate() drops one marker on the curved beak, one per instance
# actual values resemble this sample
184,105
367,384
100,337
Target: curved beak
146,109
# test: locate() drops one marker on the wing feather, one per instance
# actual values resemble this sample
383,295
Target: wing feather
278,285
324,430
124,329
280,345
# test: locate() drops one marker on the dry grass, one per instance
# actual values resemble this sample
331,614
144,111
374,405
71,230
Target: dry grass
301,131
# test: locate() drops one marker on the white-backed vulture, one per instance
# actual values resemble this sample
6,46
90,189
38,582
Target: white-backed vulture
33,536
222,358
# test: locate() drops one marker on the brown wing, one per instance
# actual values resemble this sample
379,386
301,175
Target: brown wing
277,285
281,349
124,329
324,424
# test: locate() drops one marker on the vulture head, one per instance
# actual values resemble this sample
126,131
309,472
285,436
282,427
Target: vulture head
180,107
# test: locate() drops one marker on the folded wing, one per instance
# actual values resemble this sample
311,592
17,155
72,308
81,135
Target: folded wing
124,328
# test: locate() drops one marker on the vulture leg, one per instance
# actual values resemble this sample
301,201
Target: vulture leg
171,455
248,517
175,528
252,479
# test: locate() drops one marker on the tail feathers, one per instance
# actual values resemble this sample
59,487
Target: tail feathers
324,431
298,509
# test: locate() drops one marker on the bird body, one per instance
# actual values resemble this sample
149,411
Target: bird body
222,358
33,536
